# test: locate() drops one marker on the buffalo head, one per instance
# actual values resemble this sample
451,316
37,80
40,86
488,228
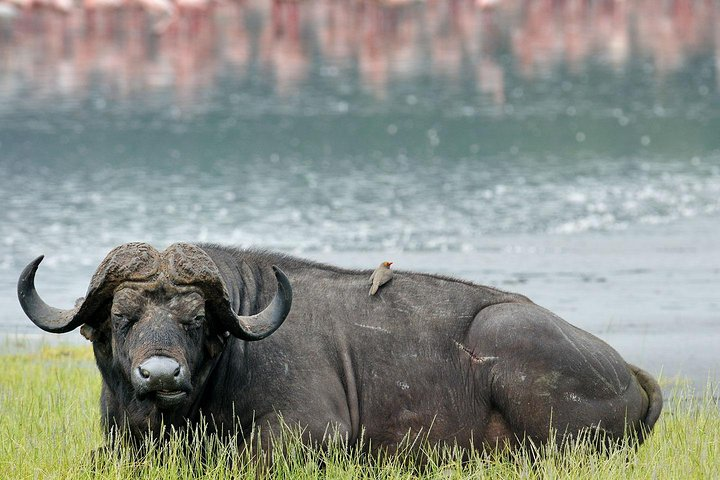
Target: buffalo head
159,322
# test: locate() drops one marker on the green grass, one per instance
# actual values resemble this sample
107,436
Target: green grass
50,427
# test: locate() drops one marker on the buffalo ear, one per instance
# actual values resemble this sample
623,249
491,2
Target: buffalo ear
215,345
98,332
214,341
88,332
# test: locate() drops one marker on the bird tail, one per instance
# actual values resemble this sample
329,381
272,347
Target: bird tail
373,290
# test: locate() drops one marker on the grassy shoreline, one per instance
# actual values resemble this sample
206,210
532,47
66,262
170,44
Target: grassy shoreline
49,425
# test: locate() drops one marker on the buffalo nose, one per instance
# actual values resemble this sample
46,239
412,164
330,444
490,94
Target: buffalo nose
160,373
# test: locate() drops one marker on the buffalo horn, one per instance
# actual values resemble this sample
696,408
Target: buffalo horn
132,261
260,325
43,315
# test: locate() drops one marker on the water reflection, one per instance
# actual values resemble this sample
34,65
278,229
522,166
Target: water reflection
60,47
543,142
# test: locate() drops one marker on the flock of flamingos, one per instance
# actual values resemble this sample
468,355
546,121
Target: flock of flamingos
161,6
165,7
186,42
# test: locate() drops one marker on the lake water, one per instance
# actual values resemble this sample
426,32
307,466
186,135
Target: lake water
569,151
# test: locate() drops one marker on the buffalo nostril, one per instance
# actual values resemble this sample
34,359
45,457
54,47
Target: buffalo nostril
158,373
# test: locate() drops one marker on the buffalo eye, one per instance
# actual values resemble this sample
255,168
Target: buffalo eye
122,321
126,308
195,322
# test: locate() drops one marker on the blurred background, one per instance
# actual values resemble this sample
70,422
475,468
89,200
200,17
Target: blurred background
568,150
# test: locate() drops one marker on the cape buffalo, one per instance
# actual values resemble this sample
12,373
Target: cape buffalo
177,333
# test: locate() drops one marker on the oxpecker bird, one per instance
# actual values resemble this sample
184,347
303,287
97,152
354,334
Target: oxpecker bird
380,277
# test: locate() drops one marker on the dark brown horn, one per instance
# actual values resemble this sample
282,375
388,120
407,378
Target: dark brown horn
252,327
44,316
190,265
260,325
132,261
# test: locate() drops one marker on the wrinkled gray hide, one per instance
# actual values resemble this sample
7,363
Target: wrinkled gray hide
467,363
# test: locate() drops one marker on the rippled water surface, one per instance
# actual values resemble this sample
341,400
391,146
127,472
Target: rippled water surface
568,150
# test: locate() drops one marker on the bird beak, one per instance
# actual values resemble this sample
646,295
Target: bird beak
389,263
